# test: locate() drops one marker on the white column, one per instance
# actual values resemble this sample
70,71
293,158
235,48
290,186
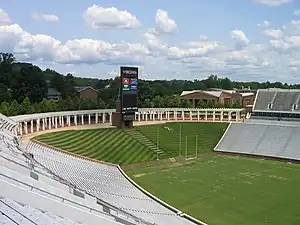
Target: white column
69,120
182,115
89,118
75,120
191,115
26,128
229,116
139,116
49,123
43,123
161,116
175,115
21,128
52,121
198,115
38,123
31,126
82,119
62,121
153,116
110,117
146,116
214,115
96,118
206,115
168,115
103,117
222,115
55,119
237,117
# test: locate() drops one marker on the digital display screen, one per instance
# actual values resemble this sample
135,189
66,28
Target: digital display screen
129,89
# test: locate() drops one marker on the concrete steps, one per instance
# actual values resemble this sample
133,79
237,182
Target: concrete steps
144,140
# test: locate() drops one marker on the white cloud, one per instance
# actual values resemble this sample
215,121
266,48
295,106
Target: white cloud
4,18
272,2
297,12
44,17
98,17
239,37
273,33
164,23
276,59
265,24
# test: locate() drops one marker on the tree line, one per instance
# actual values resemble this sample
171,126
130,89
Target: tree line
24,86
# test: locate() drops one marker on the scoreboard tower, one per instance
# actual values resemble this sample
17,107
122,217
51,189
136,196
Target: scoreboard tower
128,96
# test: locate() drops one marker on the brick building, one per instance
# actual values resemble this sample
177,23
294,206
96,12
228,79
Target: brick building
87,92
218,96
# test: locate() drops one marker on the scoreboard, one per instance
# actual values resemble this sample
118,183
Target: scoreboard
129,90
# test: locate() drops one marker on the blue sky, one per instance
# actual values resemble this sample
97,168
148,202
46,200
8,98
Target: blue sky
242,40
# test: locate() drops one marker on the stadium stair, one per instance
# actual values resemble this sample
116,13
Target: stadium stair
145,141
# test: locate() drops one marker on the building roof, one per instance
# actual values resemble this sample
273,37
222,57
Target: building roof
82,88
53,91
213,93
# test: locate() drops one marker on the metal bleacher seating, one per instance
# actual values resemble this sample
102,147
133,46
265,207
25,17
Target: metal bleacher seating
285,100
275,140
263,99
40,185
105,182
279,100
31,194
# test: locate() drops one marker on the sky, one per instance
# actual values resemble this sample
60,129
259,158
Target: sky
244,40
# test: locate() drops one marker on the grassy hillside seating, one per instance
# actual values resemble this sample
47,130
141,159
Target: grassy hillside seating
109,145
168,137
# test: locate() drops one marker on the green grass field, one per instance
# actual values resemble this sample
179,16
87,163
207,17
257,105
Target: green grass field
116,146
200,136
227,190
109,145
221,190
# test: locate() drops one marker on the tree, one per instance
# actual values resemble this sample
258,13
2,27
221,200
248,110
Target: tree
5,93
26,107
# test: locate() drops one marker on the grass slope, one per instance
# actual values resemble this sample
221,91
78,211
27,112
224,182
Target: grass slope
168,137
109,145
227,190
116,146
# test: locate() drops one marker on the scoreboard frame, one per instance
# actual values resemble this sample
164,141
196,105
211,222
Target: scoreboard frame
128,90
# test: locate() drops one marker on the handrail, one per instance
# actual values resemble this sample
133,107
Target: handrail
7,216
18,212
53,195
61,180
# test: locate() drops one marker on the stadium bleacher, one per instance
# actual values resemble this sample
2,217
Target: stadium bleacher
278,100
39,185
273,129
105,182
278,140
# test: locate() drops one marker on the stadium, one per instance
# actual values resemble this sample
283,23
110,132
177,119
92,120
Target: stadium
176,166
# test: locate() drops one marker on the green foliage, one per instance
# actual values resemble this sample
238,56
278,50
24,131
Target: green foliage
19,81
26,107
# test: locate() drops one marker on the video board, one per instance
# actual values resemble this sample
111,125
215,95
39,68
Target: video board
129,90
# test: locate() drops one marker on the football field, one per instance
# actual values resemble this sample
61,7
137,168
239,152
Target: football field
222,190
217,189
